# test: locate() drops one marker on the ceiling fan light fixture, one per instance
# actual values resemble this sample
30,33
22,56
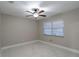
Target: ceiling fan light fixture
35,15
36,12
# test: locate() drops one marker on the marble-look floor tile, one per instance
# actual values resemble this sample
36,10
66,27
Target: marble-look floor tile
37,49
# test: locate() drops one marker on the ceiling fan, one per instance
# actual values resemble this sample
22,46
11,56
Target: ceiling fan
36,12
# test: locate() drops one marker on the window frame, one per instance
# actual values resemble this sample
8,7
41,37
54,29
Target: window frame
52,30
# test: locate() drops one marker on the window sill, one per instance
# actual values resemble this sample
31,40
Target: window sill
53,35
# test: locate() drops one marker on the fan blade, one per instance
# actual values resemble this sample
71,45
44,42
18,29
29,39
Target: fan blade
11,1
28,15
41,11
43,15
29,12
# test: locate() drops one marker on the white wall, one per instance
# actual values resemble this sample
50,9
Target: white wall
71,29
17,30
0,30
0,34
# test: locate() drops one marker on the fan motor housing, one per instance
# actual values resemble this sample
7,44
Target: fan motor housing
35,9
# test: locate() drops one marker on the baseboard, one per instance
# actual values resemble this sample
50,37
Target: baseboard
19,44
59,46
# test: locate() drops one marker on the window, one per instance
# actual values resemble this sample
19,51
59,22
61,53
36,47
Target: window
54,28
47,28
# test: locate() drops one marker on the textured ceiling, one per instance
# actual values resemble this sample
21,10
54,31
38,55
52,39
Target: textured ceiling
51,7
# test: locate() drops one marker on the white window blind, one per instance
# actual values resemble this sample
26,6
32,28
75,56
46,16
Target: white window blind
47,28
54,28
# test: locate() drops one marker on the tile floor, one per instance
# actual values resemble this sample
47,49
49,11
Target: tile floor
37,49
